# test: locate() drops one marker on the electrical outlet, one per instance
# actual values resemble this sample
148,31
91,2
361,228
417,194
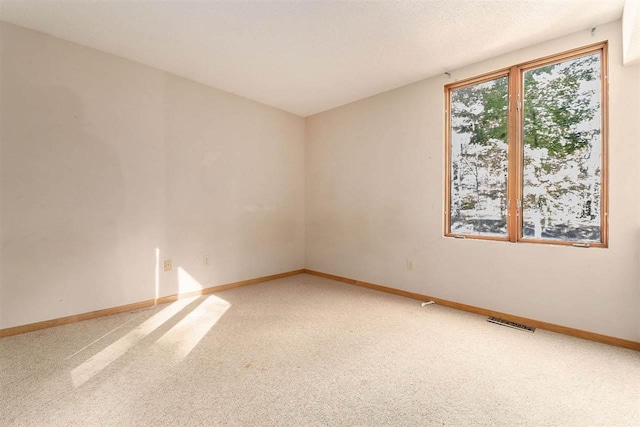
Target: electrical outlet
167,265
409,264
206,260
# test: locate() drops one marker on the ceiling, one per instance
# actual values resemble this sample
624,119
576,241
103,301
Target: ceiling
308,56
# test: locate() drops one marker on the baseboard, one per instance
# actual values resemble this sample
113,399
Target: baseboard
592,336
22,329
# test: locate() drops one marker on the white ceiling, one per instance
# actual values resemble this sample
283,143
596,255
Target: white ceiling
308,56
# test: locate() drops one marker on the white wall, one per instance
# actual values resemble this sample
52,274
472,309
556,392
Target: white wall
104,160
631,32
375,198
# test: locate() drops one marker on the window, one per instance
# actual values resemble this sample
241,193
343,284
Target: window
526,152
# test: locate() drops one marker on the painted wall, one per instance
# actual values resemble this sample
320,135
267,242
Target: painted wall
374,198
631,32
109,167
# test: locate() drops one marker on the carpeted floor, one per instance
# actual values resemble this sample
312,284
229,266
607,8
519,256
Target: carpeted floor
305,351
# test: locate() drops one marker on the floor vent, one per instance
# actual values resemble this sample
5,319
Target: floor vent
510,324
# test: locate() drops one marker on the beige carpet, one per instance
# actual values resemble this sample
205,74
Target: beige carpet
304,351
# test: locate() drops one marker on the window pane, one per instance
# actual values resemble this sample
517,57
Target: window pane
478,187
562,151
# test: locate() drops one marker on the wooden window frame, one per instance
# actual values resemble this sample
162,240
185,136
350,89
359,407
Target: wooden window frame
515,153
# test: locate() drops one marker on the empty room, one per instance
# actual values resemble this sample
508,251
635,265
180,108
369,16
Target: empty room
318,213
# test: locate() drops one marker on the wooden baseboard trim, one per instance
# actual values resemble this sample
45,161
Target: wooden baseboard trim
592,336
22,329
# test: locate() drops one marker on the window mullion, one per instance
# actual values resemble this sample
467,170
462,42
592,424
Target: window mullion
604,144
513,167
